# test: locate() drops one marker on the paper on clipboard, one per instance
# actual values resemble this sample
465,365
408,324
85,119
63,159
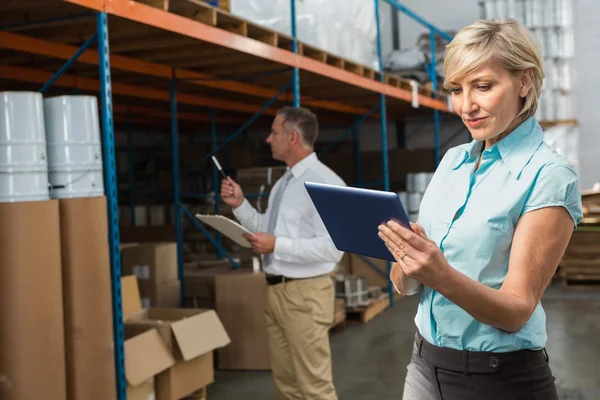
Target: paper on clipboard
227,227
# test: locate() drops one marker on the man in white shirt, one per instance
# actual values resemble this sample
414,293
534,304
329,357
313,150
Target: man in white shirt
298,255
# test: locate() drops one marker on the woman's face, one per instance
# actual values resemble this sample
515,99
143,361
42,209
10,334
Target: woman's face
488,100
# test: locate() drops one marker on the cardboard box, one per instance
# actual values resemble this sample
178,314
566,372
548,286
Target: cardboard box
145,356
32,340
244,317
189,335
162,295
87,299
144,391
155,263
219,287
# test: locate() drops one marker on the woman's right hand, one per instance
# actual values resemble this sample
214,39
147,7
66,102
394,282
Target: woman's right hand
231,193
405,285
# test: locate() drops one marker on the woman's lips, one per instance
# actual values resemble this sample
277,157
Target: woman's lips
475,122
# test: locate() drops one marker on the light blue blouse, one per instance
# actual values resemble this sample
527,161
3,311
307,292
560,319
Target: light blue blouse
472,217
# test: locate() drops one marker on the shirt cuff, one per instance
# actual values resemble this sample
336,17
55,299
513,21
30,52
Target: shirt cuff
283,248
244,208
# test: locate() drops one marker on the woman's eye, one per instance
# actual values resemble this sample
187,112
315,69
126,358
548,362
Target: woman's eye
483,87
455,90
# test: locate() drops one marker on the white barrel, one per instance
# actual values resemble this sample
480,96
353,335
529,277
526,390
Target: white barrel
501,9
23,163
421,182
413,217
403,198
410,182
74,147
490,9
414,201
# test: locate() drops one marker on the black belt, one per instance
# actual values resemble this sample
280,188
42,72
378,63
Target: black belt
277,279
478,362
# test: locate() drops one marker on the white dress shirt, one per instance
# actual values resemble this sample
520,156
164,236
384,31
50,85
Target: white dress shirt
303,247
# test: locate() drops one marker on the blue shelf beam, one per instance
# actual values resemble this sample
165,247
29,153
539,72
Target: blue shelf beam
215,174
401,7
296,71
352,128
244,126
110,184
433,30
176,183
384,143
131,170
69,62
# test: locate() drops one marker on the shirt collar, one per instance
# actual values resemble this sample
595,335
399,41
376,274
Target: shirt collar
516,149
303,165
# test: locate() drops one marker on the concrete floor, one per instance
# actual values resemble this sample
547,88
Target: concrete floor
369,361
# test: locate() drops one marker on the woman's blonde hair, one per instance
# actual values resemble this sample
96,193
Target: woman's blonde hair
507,42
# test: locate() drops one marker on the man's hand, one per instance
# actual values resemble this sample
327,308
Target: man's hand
262,242
231,193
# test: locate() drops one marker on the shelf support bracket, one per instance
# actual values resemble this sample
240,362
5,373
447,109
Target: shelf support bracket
69,62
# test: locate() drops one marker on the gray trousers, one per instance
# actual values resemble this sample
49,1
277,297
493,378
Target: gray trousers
436,373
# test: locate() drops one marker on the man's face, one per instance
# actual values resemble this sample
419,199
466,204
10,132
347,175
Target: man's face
280,142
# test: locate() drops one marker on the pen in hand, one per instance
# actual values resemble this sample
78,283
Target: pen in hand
219,167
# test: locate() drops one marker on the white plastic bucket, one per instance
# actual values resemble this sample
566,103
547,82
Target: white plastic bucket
23,163
421,182
414,202
74,147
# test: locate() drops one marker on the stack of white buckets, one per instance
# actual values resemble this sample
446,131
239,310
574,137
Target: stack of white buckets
49,148
416,184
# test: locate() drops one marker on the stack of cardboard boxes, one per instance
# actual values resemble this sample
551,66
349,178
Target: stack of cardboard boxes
155,266
168,351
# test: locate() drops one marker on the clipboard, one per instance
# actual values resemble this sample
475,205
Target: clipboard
227,227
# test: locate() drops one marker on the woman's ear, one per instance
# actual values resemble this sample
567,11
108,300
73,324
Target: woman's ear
526,82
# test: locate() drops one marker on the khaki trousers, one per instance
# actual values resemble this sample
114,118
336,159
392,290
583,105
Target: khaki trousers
299,314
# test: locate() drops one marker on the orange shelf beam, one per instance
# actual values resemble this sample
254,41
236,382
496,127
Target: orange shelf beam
31,45
174,23
37,76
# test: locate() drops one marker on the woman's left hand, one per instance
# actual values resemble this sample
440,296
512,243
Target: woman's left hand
418,256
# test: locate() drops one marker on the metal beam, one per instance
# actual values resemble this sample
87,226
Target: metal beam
215,173
245,126
37,76
110,184
296,72
141,13
45,48
176,185
68,64
417,18
347,132
384,146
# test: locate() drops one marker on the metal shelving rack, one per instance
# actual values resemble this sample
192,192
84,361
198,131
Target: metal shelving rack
165,82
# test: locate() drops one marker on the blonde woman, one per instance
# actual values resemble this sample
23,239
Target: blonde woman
493,226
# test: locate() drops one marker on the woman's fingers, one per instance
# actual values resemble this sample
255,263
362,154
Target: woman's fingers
413,239
397,245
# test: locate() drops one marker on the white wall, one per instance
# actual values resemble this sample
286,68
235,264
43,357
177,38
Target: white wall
587,84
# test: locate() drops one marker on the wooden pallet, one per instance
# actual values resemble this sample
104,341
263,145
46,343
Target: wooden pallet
339,321
365,314
221,18
580,265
